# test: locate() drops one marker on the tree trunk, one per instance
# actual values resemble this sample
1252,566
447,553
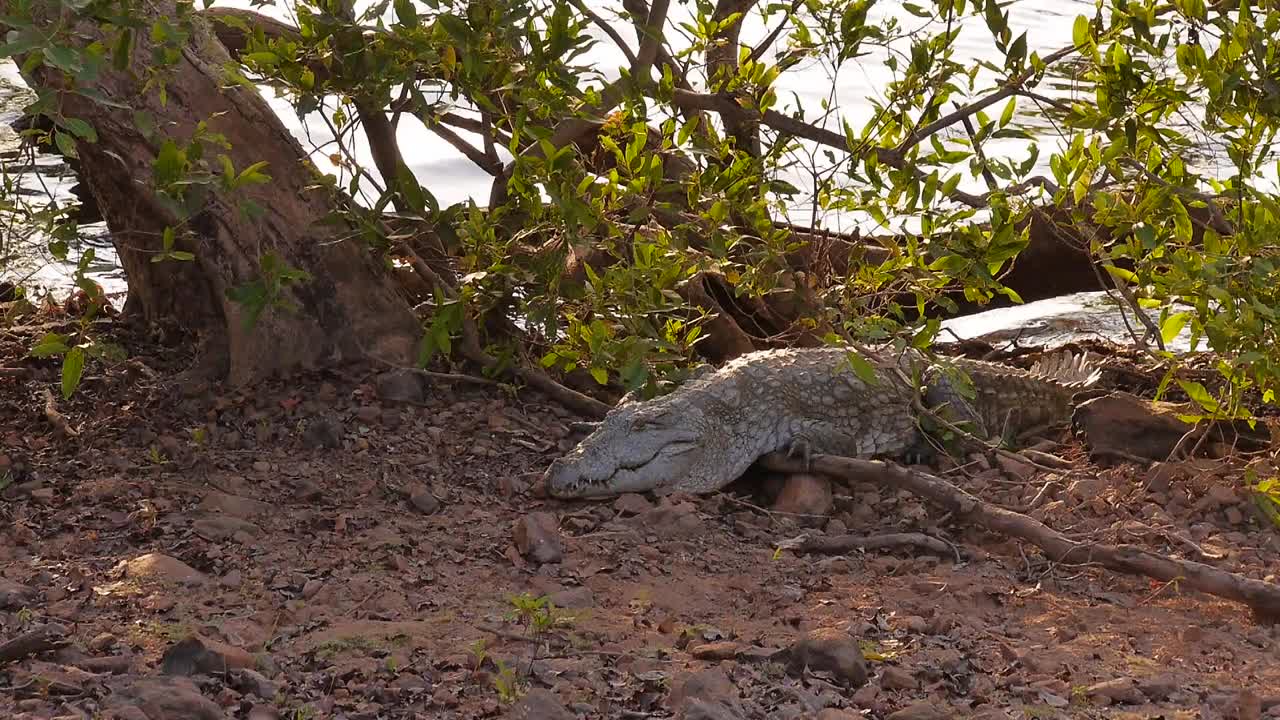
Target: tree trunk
350,304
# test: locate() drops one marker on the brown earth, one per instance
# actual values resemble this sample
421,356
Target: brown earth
317,549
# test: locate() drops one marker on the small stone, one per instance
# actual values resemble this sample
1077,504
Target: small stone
322,432
160,567
918,711
168,699
723,650
368,414
537,537
631,504
13,596
263,712
252,682
1119,690
101,642
261,466
915,624
835,714
195,655
806,495
423,501
575,598
896,678
709,687
401,386
223,527
539,704
829,650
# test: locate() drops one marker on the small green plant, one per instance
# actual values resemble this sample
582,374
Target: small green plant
507,684
25,616
479,652
537,614
199,435
1266,495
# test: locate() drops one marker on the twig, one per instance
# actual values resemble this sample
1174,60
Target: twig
55,418
1262,597
840,544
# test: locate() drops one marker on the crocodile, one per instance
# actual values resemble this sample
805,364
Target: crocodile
706,433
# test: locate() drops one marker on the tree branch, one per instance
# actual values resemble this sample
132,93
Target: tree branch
572,128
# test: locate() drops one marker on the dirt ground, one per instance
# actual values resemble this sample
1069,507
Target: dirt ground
314,548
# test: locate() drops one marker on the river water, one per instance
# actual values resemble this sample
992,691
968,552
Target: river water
452,178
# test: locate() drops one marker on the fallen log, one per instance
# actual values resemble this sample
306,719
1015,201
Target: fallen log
1263,598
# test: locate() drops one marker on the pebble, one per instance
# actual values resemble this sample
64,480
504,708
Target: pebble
918,711
422,500
829,650
160,567
897,678
401,386
632,504
537,537
723,650
539,704
322,432
1118,690
805,494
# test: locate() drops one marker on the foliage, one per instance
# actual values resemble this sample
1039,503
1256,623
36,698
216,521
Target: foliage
691,158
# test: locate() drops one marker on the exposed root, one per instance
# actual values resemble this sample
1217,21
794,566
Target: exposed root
55,418
840,544
1262,597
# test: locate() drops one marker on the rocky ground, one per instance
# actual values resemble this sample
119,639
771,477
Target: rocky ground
370,544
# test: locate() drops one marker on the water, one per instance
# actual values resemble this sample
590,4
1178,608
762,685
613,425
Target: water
453,178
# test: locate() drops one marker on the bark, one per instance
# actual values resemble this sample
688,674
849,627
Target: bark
349,308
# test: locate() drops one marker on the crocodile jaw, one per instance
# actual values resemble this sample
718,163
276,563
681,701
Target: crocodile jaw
635,449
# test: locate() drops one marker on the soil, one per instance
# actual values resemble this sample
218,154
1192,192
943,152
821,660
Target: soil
368,543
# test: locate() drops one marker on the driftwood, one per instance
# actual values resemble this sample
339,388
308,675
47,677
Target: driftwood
1261,597
1120,426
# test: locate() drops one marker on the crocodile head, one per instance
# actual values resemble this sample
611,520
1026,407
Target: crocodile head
637,448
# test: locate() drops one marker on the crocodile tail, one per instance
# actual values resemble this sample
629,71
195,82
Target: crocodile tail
1068,369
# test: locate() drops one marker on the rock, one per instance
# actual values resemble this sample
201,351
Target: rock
224,527
704,693
723,650
537,537
169,699
709,710
829,650
672,519
101,642
918,711
539,704
896,678
322,432
401,386
1015,468
631,504
835,714
1119,690
195,655
160,568
263,712
13,596
575,598
1159,688
252,682
368,414
422,500
235,505
805,495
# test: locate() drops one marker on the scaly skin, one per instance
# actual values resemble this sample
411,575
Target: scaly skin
706,433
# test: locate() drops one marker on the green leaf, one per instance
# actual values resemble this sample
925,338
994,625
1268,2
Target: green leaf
51,344
64,58
1007,115
1173,325
601,375
72,371
1080,31
863,369
81,128
66,144
406,13
1199,394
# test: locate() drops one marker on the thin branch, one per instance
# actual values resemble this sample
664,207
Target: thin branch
493,166
1010,88
608,30
759,50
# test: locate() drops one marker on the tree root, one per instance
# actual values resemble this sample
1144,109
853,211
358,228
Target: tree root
1263,598
840,544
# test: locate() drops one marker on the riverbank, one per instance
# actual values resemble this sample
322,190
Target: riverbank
341,553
